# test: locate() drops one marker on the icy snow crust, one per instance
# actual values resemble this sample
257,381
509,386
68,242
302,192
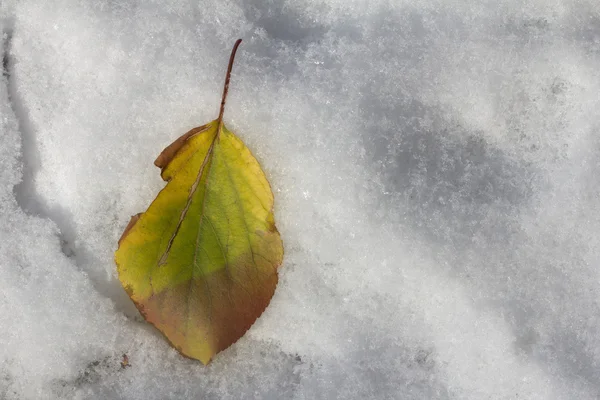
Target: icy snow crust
436,174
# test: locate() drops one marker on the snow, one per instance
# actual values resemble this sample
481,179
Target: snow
435,170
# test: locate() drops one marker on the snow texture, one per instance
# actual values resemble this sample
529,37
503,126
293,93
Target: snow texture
436,170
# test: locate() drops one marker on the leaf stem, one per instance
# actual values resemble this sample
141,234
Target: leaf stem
226,86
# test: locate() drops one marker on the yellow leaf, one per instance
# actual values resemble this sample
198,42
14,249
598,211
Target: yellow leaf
201,263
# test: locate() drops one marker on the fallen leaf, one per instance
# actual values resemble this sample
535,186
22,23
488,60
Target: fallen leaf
125,362
201,263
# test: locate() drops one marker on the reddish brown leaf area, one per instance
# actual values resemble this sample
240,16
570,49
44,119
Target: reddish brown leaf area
220,309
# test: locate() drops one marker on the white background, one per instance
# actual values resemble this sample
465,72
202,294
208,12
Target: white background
436,170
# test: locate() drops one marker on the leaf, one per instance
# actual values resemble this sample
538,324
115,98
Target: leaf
201,263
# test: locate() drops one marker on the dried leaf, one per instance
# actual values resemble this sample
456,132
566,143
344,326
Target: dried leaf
201,263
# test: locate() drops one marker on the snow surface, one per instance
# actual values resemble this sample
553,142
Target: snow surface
436,169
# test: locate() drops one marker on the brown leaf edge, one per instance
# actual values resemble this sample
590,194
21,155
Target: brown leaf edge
165,157
132,221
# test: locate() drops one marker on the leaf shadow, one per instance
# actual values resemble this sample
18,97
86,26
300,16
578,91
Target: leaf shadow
456,191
